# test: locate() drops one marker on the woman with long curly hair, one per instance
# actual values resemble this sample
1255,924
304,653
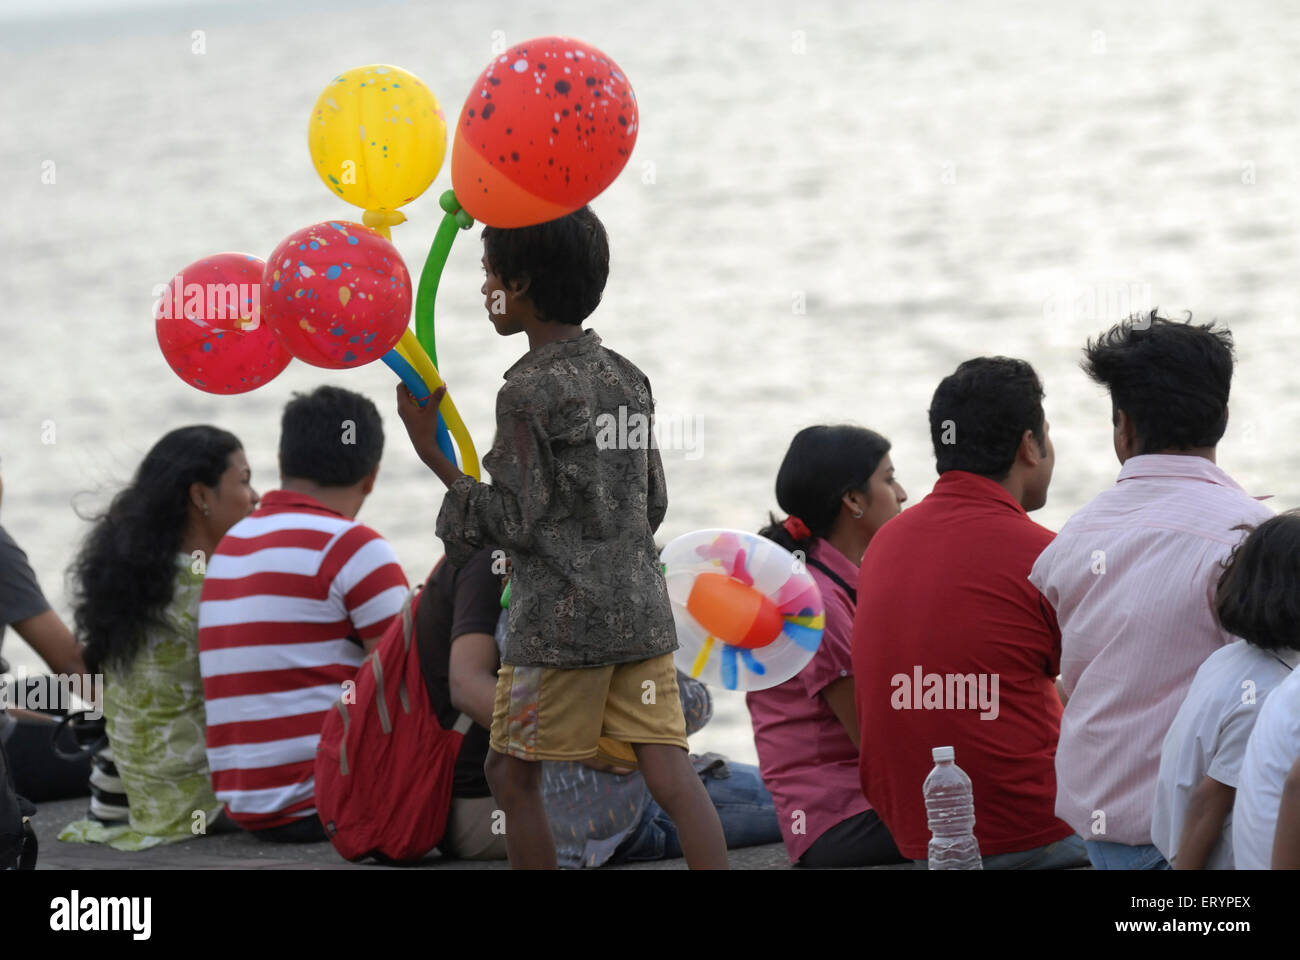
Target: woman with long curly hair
135,586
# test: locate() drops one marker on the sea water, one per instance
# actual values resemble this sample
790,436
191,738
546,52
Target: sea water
829,206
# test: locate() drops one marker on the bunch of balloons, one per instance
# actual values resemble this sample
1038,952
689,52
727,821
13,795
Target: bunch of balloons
545,129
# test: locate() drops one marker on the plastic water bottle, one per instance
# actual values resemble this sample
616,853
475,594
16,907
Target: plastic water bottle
951,810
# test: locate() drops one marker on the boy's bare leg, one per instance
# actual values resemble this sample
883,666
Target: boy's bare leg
676,787
517,786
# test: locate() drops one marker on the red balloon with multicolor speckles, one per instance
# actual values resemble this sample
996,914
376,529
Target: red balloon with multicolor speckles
546,127
209,326
336,294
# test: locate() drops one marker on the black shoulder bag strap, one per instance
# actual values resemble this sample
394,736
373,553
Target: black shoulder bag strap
853,594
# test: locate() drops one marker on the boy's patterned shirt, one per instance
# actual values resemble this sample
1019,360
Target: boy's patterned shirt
577,493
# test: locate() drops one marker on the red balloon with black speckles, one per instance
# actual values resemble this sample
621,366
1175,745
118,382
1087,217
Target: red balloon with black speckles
546,127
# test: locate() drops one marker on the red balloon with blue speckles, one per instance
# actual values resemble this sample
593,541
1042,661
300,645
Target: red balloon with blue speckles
336,294
546,127
209,326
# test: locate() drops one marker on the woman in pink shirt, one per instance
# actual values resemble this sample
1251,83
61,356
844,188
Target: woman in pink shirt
837,485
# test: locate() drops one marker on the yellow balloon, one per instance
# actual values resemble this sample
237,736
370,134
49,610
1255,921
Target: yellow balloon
410,349
377,138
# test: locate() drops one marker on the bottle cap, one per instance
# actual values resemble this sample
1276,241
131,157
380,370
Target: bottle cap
942,753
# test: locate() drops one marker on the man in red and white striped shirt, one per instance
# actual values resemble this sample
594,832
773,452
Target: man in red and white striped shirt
296,594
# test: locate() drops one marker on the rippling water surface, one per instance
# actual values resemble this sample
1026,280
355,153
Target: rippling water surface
830,205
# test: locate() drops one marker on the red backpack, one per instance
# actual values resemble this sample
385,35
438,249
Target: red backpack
384,764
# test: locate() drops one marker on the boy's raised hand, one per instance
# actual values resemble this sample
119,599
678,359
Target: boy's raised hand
422,424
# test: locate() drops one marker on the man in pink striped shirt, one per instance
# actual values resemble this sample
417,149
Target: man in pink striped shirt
1132,576
295,595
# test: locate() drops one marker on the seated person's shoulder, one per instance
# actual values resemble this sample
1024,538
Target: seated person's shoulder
447,578
1253,511
1038,537
1080,523
478,569
356,538
362,532
13,559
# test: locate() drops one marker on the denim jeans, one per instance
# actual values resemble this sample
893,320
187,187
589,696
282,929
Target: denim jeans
1106,855
744,806
1061,855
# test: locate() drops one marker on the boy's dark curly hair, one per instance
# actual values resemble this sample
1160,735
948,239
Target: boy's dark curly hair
565,261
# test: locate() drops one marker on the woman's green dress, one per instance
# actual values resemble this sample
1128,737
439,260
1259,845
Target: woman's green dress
153,713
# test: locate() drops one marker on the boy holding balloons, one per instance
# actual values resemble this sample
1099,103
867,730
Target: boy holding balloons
591,633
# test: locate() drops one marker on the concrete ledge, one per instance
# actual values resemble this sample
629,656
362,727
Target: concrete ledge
241,851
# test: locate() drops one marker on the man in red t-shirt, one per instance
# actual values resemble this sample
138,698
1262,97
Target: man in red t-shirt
952,646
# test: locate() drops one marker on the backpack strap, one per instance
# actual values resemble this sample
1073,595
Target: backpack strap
408,627
343,740
377,665
381,701
408,618
853,593
463,721
88,736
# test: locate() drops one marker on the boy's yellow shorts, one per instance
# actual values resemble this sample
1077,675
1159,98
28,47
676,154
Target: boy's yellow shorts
548,714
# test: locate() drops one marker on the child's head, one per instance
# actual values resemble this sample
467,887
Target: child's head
552,272
331,437
1257,598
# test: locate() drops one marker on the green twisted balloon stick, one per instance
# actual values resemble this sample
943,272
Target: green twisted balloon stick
453,219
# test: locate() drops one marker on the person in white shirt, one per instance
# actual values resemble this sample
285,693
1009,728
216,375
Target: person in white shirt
1286,841
1269,775
1200,763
